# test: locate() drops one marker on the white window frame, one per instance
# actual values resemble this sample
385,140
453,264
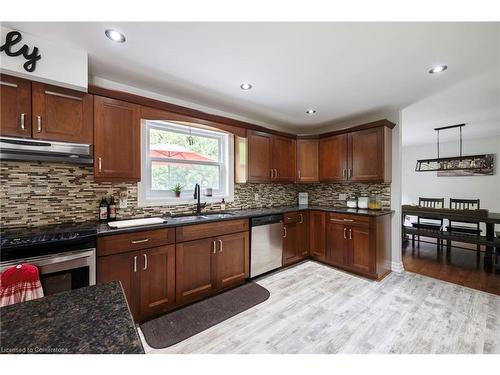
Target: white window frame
146,197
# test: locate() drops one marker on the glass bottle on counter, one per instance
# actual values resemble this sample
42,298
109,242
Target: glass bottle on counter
103,210
112,209
375,202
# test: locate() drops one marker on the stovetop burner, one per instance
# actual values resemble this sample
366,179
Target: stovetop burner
22,242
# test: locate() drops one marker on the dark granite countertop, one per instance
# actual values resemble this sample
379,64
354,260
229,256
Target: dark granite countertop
206,217
95,319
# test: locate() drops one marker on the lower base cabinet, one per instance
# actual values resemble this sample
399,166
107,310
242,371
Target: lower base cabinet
208,265
147,277
359,244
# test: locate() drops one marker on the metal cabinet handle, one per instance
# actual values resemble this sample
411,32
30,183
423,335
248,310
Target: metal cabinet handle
214,247
275,173
343,172
349,173
345,237
350,233
301,219
135,263
100,163
342,220
23,116
140,241
220,246
299,174
284,232
145,261
39,122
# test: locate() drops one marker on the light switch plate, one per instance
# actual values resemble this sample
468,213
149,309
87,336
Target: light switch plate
342,196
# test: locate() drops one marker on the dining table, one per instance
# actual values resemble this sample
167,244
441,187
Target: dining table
490,240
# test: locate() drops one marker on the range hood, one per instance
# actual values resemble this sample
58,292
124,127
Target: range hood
30,149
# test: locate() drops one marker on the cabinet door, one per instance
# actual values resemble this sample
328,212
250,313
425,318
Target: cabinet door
317,231
290,243
195,273
336,244
366,155
303,234
307,160
15,101
259,156
157,283
359,249
117,140
283,159
61,114
123,267
333,158
232,259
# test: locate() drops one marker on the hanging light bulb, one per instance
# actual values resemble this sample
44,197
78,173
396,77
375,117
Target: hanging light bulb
190,138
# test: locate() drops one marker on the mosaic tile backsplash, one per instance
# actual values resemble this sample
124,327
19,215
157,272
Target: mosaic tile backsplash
33,194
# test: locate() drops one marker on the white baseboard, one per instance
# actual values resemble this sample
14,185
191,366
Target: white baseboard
397,267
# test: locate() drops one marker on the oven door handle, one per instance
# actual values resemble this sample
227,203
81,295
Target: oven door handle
50,258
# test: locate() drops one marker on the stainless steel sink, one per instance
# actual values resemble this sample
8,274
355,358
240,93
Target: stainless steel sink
208,215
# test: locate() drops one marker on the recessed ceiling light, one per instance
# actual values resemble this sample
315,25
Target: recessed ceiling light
246,86
115,36
311,111
438,69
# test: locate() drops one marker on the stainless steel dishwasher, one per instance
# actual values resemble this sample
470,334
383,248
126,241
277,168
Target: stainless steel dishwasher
266,250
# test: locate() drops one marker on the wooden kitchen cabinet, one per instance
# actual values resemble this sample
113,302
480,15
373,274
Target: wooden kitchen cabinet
303,234
117,153
146,273
370,155
336,244
360,156
259,156
333,158
195,269
291,251
232,259
283,159
317,232
157,280
15,116
122,267
208,265
359,244
271,158
61,114
307,160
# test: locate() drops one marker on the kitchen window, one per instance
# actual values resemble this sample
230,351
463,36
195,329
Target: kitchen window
180,154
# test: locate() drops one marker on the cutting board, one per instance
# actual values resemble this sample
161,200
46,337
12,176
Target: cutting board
136,222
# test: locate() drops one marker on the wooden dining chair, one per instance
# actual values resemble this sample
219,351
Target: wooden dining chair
429,223
469,227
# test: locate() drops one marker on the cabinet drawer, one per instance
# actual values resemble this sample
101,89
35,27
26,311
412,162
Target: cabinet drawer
198,231
291,217
120,243
348,219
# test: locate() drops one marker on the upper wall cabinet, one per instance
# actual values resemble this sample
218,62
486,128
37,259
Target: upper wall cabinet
15,117
117,152
36,110
270,158
361,156
307,160
61,114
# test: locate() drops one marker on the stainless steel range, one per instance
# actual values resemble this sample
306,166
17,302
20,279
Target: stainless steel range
64,254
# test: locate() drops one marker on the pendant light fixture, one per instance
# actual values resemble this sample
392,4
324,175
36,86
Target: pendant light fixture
481,164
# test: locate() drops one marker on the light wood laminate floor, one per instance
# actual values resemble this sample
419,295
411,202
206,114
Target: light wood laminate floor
314,308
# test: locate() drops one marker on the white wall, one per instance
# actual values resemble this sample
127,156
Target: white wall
428,184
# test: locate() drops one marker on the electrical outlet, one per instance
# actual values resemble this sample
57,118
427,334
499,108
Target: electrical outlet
342,197
256,197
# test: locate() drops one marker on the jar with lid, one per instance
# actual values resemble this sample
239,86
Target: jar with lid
375,202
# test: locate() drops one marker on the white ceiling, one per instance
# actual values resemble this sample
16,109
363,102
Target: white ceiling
342,70
474,101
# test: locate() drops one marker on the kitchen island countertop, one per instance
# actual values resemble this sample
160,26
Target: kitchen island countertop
94,319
